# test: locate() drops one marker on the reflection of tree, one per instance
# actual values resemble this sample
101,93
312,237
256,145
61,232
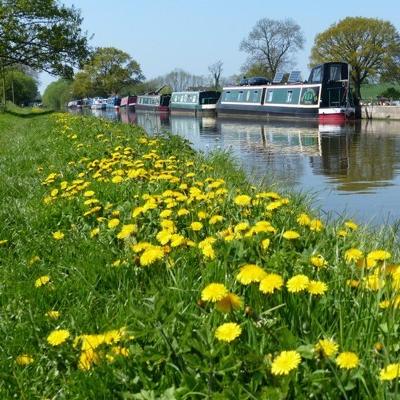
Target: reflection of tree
357,161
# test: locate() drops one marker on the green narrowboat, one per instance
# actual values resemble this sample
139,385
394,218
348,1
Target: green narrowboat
196,102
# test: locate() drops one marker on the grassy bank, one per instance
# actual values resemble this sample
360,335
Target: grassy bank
134,268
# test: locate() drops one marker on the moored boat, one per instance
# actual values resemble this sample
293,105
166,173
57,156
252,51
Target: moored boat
128,101
196,102
98,104
325,96
113,102
153,102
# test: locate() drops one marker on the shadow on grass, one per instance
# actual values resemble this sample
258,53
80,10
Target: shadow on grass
29,114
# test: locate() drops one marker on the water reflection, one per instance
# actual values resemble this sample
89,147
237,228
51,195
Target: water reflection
361,160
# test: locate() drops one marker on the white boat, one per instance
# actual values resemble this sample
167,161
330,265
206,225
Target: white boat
98,104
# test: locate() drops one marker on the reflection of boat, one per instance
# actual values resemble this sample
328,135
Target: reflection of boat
153,123
325,96
196,102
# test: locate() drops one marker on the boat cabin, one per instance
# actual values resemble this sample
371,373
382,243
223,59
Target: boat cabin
194,101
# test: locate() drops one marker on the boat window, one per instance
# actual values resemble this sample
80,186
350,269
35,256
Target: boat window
240,96
248,96
255,96
316,75
335,72
289,96
270,95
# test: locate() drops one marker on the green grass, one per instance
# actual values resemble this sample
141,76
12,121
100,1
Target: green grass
371,91
170,330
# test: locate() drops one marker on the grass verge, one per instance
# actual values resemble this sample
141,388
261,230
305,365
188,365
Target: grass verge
134,268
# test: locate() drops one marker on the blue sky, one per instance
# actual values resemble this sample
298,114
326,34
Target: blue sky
166,34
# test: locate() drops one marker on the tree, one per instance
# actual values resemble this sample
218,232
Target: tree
273,43
179,80
216,71
42,35
369,45
57,94
21,88
107,72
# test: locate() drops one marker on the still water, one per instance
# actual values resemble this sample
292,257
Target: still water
352,170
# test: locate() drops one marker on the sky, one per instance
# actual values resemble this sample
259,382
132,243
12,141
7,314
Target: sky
166,34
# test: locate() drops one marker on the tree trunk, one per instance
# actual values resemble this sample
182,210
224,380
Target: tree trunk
3,78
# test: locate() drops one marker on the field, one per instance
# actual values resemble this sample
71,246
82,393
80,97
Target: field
371,91
134,268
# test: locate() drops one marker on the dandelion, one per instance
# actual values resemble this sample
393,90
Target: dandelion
215,219
316,225
196,226
113,223
351,225
317,288
214,292
318,261
228,332
250,273
342,233
229,303
353,255
297,283
24,359
290,235
94,232
285,362
3,242
347,360
270,283
327,347
390,372
374,282
151,255
88,193
265,244
181,212
379,255
58,336
303,219
353,283
58,235
127,231
43,280
86,359
53,314
242,200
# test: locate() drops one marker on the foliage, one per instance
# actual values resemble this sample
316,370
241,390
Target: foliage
273,43
104,278
20,87
255,69
391,93
369,45
107,72
57,94
41,34
179,80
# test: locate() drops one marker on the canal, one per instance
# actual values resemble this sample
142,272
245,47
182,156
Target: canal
352,170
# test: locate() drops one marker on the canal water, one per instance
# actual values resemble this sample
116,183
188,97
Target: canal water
351,170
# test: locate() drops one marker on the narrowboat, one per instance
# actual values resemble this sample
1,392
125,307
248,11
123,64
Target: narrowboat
324,96
113,102
153,102
128,101
196,102
98,104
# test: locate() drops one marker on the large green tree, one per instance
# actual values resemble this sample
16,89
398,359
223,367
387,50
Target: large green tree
57,94
107,73
41,34
21,88
370,45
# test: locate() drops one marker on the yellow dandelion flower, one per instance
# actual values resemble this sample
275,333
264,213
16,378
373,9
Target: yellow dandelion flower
215,219
384,304
285,362
303,219
347,360
270,283
201,215
374,282
353,255
3,242
177,240
53,314
114,336
342,233
317,288
230,302
87,358
164,236
390,372
88,193
182,212
250,273
327,347
353,283
228,332
94,232
151,255
316,225
137,248
43,280
127,231
24,359
196,226
379,255
297,283
242,200
165,213
351,225
58,336
318,261
265,244
290,235
113,223
214,292
58,235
